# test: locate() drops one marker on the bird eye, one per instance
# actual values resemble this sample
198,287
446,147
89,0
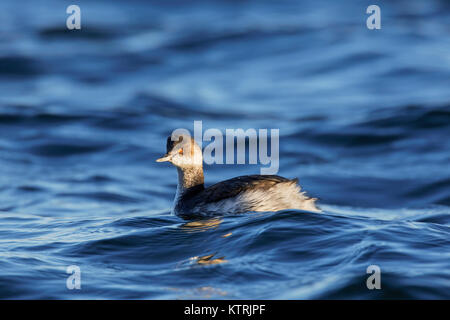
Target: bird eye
180,151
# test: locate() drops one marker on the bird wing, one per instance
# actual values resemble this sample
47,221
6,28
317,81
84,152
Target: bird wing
232,187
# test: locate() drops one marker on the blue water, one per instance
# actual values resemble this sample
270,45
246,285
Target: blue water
364,119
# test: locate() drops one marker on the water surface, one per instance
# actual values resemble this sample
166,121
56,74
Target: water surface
364,124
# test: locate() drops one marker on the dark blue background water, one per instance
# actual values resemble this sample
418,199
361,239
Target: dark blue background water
364,119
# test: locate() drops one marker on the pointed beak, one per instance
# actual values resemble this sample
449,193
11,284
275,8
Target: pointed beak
165,158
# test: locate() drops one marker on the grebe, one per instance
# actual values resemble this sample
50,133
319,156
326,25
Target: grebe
233,196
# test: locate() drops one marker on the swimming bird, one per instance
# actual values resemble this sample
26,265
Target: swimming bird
237,195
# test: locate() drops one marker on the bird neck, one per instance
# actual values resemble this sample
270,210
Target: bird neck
189,177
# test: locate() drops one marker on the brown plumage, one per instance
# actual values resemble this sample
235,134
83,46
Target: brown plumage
238,195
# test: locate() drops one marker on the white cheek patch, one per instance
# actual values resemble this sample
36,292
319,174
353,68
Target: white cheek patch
191,156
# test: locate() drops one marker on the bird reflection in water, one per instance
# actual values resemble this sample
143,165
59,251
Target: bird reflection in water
201,226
